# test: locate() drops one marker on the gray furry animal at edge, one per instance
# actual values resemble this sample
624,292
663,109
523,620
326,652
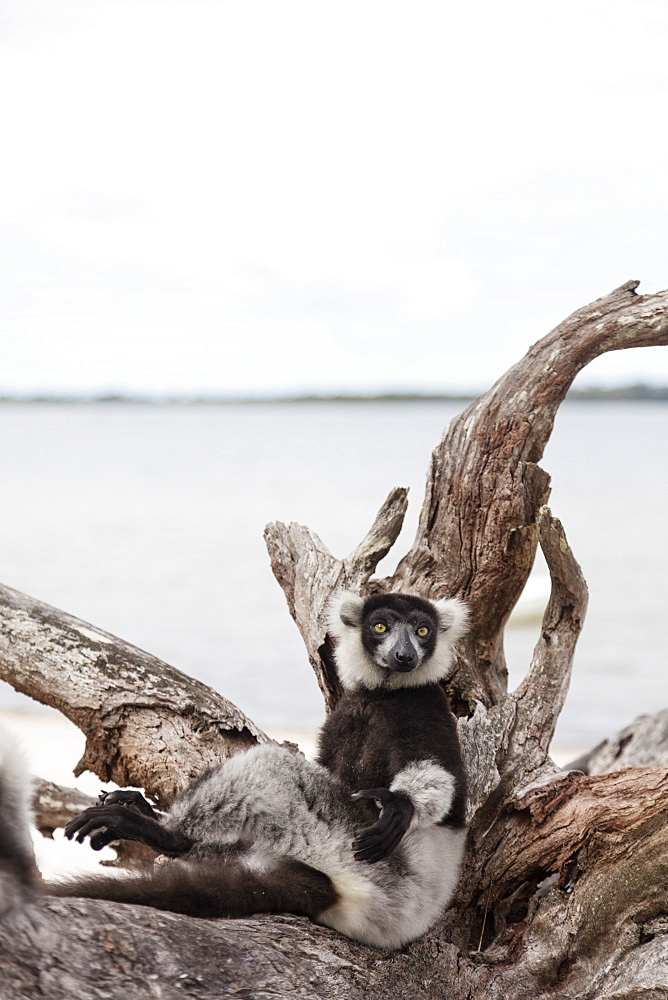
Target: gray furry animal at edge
367,839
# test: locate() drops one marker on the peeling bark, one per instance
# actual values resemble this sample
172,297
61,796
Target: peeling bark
563,889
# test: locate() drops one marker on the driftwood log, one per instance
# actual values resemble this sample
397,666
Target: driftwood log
564,891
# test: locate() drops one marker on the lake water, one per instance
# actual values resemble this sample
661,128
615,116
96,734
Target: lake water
147,521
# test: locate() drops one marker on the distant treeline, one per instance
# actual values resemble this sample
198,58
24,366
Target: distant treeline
639,391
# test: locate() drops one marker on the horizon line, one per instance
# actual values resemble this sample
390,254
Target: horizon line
632,391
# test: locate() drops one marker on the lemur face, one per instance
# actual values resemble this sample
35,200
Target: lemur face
394,640
398,639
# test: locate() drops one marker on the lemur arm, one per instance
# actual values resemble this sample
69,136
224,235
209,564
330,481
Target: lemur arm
125,816
420,795
430,788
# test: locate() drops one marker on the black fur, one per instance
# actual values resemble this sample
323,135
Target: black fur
372,735
106,823
214,887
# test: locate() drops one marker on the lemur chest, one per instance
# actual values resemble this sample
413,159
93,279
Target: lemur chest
366,747
368,765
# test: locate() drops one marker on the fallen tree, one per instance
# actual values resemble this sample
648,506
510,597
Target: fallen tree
563,891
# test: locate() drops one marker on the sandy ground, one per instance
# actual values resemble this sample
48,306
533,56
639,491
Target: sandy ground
52,746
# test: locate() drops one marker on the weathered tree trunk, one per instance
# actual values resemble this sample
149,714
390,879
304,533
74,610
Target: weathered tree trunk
146,723
563,892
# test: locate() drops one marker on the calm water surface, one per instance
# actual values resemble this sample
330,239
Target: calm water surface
147,521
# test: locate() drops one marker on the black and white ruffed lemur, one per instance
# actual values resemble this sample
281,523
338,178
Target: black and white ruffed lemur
367,840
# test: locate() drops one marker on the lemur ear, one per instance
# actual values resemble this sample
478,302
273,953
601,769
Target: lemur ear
345,607
453,616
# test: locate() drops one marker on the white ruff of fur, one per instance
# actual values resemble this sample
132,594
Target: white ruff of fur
356,669
430,788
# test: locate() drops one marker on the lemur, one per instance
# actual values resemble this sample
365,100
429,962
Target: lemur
367,839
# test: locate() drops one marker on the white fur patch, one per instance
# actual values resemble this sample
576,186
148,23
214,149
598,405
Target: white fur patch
357,896
15,788
394,910
344,611
344,617
430,788
453,616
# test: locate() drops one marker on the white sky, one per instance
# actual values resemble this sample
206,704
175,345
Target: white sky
277,196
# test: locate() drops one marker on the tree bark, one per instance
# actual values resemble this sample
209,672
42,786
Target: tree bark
54,806
563,887
146,724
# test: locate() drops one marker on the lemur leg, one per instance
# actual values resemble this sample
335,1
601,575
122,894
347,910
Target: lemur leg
105,823
220,887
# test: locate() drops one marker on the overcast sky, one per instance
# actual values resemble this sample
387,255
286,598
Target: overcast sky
247,197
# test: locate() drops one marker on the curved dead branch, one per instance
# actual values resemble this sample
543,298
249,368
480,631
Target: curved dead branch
540,697
146,724
477,534
506,747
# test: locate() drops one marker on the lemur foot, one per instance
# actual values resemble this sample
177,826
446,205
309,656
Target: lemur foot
131,799
106,823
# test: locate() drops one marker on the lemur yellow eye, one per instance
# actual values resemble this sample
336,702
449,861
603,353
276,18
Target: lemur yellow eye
379,627
423,631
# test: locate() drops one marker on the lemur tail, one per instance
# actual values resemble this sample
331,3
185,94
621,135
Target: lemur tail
17,860
220,887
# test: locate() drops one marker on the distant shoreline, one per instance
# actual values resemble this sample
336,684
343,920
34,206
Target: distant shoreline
638,392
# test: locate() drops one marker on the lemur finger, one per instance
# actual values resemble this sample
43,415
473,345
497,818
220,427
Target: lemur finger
376,852
131,800
87,829
78,821
373,853
381,795
102,839
380,830
389,820
93,818
376,838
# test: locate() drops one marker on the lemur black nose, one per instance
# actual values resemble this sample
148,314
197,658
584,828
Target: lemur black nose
404,656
